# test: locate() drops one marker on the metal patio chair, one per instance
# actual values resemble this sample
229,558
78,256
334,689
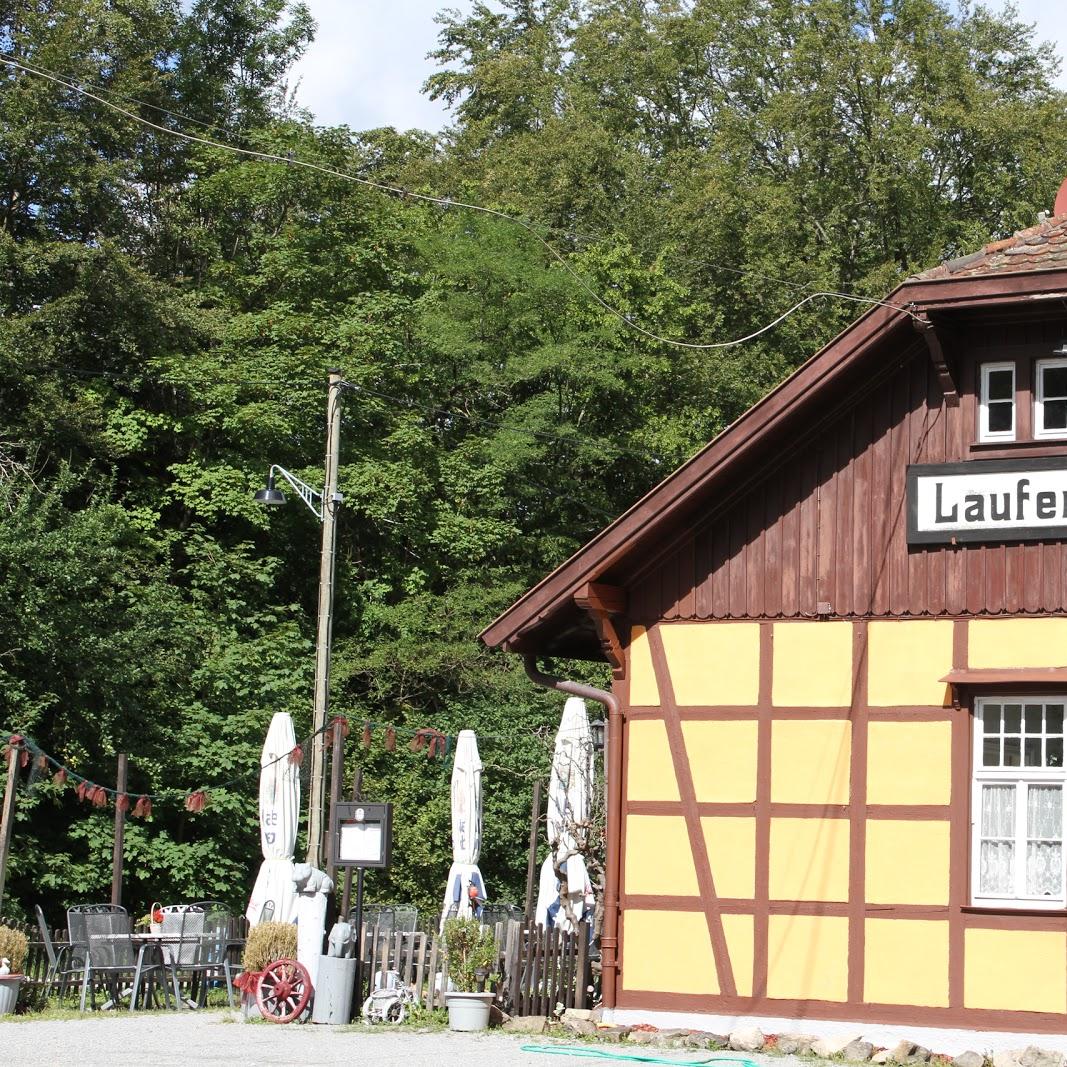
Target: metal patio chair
102,932
185,923
209,925
61,962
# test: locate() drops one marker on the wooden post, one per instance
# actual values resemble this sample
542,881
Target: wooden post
7,820
337,766
346,899
531,862
120,832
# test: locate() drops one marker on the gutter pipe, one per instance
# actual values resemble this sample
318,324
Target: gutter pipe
609,938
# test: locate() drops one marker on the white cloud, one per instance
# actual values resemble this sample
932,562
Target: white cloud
368,62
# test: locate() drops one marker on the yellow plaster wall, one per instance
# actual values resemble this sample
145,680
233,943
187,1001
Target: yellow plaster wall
810,761
812,664
905,661
712,662
643,689
722,757
658,857
809,859
689,964
909,762
740,943
1015,970
807,957
731,844
905,962
649,766
667,951
1017,642
907,861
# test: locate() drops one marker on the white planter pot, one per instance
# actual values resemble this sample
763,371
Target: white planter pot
9,992
468,1011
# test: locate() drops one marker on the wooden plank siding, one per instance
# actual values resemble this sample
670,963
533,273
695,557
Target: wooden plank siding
827,523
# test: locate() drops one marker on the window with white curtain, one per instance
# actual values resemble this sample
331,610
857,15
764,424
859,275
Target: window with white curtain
1017,804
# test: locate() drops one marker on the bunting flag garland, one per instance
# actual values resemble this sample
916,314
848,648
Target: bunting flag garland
435,743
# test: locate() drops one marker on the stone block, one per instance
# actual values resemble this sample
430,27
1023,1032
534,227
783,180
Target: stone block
607,1032
1009,1058
746,1040
828,1047
585,1014
642,1037
1038,1057
858,1051
795,1044
969,1059
526,1024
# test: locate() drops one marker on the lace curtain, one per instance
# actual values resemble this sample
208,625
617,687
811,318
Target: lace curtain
997,859
1044,848
1044,845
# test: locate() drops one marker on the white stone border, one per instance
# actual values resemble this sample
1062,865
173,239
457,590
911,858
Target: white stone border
936,1039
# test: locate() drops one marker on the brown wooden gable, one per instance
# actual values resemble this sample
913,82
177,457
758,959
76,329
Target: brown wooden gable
765,521
824,533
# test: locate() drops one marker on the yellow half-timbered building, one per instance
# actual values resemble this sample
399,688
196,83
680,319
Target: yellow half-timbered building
838,639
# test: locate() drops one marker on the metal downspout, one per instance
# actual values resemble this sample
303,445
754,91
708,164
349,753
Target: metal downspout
609,938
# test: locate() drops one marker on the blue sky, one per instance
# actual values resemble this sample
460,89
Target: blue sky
368,62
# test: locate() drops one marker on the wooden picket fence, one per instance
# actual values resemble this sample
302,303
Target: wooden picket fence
539,970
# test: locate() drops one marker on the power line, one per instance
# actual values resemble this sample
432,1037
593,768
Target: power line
558,231
447,202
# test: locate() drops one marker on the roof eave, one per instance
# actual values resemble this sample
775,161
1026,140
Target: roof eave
514,627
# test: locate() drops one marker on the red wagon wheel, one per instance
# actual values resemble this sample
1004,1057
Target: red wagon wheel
284,991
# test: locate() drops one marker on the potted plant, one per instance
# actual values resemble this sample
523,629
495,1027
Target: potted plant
13,948
266,943
471,950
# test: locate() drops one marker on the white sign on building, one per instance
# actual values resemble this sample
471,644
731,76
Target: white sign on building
988,500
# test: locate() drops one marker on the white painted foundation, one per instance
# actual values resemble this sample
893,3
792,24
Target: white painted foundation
936,1039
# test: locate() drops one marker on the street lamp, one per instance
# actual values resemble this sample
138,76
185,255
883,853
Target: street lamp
329,500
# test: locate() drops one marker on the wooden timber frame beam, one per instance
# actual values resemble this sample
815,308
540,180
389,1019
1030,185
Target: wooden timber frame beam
601,602
935,337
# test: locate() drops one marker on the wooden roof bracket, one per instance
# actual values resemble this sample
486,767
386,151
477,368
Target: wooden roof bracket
601,602
936,338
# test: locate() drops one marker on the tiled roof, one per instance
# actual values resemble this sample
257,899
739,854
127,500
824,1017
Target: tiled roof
1041,247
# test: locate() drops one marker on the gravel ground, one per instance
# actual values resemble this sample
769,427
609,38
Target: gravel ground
213,1038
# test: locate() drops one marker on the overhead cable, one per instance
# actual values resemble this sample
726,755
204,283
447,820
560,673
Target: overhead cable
447,202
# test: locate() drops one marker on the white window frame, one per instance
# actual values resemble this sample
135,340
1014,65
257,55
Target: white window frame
984,433
1021,777
1039,399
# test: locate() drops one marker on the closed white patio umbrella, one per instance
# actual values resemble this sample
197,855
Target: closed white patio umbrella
279,814
465,891
570,802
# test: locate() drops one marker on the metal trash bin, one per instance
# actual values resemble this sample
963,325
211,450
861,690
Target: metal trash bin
334,989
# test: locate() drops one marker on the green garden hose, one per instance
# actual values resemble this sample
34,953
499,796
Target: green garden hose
591,1053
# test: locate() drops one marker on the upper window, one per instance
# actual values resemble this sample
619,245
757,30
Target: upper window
1017,823
1050,398
997,408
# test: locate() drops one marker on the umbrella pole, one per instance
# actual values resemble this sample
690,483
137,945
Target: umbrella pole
531,862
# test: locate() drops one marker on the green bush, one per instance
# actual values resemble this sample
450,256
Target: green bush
471,947
268,942
14,945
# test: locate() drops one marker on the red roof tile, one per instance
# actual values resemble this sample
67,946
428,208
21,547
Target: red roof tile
1041,247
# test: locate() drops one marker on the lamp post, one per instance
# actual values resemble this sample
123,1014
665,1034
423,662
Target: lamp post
329,500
